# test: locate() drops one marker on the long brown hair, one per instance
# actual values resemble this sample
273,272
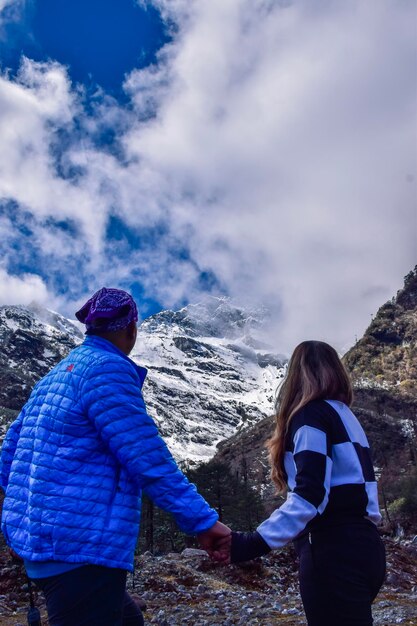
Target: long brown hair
314,372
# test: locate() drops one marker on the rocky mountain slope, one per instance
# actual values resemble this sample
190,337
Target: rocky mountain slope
32,341
208,372
385,357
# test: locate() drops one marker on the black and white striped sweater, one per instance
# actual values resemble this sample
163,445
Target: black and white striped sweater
330,478
329,473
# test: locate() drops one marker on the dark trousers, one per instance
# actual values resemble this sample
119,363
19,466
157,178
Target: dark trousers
89,596
341,571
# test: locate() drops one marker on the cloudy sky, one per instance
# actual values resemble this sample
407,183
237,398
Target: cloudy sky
262,149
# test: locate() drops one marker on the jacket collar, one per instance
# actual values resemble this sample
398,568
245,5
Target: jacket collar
103,344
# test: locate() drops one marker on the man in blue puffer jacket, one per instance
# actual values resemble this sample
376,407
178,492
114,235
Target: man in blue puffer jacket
74,464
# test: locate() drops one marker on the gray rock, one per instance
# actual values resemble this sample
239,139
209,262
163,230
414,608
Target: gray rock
194,552
291,611
147,555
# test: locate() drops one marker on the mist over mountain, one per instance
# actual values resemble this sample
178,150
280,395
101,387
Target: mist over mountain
212,377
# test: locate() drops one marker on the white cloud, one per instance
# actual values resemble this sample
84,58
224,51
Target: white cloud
34,108
275,140
289,134
23,289
5,3
14,6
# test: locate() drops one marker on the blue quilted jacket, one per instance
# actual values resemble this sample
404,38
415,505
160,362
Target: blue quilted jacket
75,461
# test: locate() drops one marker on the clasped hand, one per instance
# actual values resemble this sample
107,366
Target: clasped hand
217,542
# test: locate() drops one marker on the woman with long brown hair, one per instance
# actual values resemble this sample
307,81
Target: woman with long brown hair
320,454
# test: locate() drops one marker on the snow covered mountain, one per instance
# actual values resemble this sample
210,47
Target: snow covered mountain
209,375
32,341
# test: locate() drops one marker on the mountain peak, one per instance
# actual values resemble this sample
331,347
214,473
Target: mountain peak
407,296
214,316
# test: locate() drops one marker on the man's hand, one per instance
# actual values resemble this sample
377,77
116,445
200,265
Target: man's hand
216,542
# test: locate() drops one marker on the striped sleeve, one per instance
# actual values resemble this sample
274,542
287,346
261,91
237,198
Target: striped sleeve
308,464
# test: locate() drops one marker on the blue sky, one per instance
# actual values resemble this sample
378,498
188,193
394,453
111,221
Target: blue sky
255,148
99,40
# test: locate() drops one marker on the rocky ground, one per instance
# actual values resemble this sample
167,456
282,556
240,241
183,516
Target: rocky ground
188,590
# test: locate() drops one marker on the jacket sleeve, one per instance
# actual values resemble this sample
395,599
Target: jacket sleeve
8,449
113,401
308,467
247,546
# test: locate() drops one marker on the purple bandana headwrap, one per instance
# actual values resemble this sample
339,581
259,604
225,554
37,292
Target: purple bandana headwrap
108,309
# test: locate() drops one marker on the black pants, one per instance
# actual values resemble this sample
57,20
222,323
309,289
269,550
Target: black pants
89,596
341,571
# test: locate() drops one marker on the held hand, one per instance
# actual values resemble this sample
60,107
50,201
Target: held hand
222,550
216,542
